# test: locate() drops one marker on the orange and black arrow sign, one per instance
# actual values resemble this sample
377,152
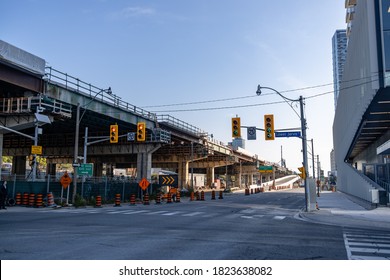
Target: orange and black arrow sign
168,180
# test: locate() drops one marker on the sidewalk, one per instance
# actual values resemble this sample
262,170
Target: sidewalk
337,208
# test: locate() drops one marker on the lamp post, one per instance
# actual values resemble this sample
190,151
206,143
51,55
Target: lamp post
303,129
76,141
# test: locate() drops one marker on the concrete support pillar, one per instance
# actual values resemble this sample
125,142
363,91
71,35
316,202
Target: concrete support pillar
98,169
183,174
51,169
144,166
210,176
19,165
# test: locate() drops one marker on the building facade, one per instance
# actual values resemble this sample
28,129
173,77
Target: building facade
339,53
362,122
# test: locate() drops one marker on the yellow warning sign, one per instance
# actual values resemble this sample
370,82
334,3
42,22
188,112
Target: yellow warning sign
36,150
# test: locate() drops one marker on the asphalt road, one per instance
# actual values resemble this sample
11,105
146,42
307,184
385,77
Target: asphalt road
259,226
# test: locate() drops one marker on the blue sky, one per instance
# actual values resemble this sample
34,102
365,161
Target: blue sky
166,52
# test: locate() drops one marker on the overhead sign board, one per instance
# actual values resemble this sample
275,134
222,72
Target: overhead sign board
168,180
266,169
288,134
85,169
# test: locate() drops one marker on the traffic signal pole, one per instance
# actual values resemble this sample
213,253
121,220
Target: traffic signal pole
304,151
304,139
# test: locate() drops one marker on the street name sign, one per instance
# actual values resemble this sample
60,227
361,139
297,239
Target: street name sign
288,134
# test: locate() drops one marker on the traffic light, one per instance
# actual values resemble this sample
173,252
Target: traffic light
141,131
114,133
269,127
303,172
236,128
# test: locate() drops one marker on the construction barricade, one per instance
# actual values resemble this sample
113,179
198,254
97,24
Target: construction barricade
132,200
117,200
98,201
18,199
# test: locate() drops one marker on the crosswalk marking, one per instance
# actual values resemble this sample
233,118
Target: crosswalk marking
367,245
136,212
171,213
193,214
245,214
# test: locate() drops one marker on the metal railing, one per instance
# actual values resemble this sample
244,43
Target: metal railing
75,84
28,105
181,125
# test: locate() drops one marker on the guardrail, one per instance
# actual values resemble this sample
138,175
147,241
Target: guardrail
93,92
28,105
181,125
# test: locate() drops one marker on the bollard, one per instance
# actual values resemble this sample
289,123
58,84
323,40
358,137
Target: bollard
117,200
98,201
212,195
50,199
169,197
251,191
192,197
39,200
146,199
31,200
246,191
202,195
197,195
18,199
178,196
132,199
158,198
220,195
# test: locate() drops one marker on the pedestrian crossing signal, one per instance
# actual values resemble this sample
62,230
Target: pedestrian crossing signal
114,133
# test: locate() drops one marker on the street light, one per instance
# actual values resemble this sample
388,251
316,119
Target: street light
76,141
303,128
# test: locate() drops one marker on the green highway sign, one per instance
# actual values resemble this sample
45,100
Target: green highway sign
265,169
85,169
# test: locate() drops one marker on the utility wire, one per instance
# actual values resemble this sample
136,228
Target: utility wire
250,96
260,104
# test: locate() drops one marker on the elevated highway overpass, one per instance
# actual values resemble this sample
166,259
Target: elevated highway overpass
79,111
